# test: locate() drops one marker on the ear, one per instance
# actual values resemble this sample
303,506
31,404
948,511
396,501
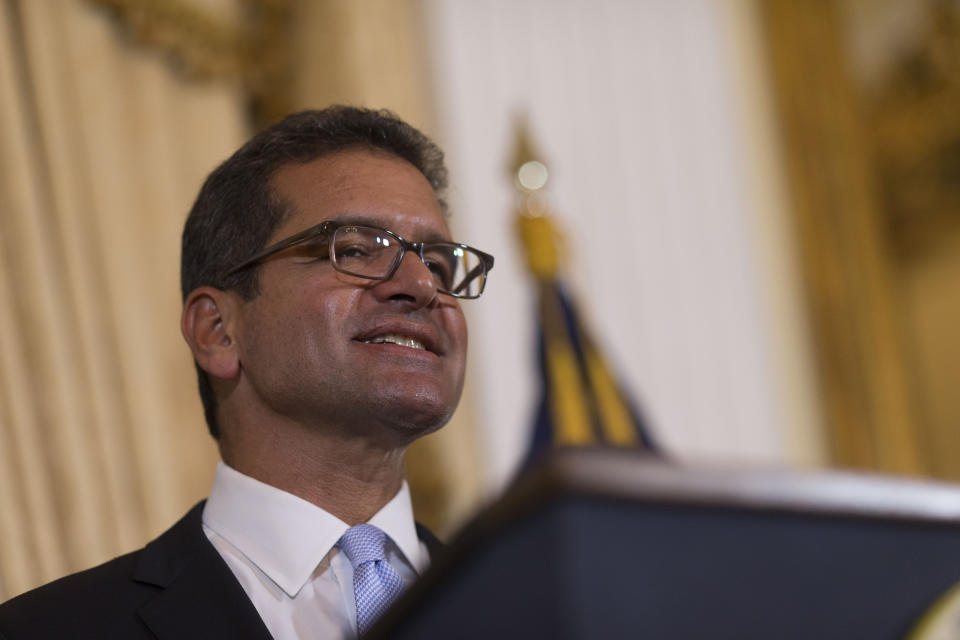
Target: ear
207,327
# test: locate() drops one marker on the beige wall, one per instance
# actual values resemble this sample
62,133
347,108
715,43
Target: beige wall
654,119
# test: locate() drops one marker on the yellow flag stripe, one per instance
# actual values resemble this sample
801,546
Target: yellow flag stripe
568,404
616,419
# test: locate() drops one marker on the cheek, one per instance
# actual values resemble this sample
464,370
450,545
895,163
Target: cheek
325,301
456,327
321,323
301,322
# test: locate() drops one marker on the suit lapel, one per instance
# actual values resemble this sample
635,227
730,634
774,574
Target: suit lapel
434,546
199,597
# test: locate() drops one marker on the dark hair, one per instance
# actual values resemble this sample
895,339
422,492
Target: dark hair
236,210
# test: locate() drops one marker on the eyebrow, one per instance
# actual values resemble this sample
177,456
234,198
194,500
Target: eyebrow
366,221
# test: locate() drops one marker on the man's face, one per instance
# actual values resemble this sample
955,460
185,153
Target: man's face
304,341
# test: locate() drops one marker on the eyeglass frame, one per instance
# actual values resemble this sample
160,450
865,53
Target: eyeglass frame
330,226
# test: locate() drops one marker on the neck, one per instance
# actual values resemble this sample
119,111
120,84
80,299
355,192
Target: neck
349,477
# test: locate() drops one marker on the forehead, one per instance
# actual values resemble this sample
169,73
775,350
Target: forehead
369,185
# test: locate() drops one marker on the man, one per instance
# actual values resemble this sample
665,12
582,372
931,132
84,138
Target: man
321,303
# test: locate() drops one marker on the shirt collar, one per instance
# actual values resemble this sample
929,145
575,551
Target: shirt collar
286,536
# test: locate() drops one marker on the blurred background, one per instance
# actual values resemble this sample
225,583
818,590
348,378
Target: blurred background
760,201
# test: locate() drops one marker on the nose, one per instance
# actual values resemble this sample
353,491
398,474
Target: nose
412,282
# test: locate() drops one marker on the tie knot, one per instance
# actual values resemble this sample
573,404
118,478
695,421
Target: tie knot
363,543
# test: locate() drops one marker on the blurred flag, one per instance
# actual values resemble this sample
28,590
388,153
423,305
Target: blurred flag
581,402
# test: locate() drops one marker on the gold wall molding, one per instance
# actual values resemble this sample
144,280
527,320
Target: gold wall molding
915,132
849,279
246,41
874,170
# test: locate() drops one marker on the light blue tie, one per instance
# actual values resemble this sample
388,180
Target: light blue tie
375,583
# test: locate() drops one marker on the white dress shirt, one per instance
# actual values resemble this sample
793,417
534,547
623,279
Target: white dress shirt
282,550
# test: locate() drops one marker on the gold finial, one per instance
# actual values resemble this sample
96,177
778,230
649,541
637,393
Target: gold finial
528,170
534,226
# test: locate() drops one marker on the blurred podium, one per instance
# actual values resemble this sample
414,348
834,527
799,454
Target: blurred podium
611,544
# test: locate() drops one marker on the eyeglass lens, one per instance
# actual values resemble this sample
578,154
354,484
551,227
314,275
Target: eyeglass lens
373,253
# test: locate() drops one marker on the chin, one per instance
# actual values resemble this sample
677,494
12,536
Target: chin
418,423
418,416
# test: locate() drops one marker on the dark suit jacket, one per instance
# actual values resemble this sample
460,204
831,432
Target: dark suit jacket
176,587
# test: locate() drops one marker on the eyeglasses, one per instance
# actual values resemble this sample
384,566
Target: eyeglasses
375,254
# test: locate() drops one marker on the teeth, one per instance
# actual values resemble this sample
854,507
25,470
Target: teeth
393,338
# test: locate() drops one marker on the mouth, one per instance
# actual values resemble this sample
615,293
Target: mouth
414,336
394,338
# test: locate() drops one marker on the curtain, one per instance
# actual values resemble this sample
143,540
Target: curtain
103,148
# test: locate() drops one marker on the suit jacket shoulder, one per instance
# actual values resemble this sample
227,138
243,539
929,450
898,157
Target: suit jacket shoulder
177,586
